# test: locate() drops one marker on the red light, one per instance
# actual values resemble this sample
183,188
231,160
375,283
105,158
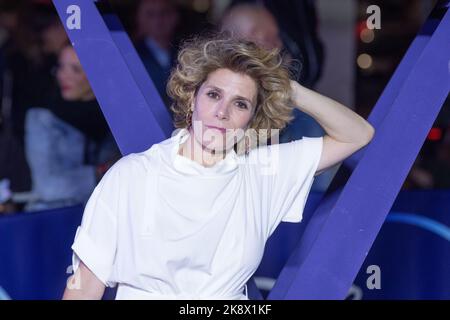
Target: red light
360,26
435,134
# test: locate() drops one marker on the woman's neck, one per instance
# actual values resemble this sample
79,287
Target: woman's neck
194,151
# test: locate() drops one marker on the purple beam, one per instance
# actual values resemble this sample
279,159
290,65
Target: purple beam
136,67
122,100
326,268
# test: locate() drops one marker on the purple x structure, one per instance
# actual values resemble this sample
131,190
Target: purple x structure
341,231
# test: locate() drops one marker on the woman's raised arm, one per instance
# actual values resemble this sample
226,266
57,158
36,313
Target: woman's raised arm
346,131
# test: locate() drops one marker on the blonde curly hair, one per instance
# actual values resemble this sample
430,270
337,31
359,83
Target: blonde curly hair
201,55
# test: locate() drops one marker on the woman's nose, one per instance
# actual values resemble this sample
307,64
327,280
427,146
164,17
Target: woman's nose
222,110
61,73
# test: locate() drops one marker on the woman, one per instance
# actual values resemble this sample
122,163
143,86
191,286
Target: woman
67,144
189,217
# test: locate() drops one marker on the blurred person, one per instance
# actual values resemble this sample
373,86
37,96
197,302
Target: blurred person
68,145
30,56
32,39
253,22
298,30
156,22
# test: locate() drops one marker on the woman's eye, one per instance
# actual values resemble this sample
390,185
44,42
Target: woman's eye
241,105
213,95
77,69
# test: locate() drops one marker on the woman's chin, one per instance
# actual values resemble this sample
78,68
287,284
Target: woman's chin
214,149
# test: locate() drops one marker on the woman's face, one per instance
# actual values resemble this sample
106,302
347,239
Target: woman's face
71,78
226,100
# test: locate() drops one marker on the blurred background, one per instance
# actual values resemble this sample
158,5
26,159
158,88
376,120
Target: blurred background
55,144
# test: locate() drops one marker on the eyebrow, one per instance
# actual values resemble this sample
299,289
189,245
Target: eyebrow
237,96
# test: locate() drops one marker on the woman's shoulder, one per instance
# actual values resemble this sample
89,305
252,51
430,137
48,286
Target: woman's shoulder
279,153
146,161
137,163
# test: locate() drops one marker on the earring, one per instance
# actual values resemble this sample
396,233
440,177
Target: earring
247,147
189,117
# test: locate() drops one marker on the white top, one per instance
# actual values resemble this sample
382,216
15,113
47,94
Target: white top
162,226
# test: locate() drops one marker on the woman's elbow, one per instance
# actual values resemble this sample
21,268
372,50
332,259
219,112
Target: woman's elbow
83,285
369,134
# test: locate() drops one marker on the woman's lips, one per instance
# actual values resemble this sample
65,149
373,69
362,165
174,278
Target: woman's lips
223,130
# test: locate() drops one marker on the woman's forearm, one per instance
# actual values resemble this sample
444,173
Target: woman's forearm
339,122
